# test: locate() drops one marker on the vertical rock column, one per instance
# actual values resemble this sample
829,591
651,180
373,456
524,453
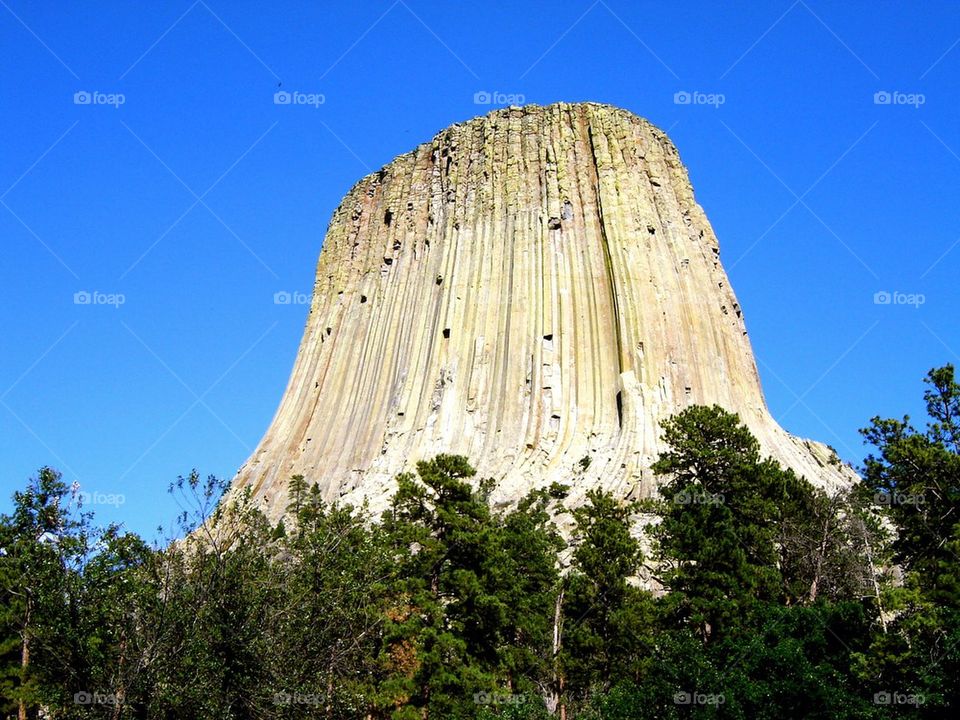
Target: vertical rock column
529,288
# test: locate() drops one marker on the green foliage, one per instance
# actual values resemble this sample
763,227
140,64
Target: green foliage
476,590
915,479
607,626
720,513
771,598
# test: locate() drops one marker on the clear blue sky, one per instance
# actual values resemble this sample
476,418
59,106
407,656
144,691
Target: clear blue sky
198,197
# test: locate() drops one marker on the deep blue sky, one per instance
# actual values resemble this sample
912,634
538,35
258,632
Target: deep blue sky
820,197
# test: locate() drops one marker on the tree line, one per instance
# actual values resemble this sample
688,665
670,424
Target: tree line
739,591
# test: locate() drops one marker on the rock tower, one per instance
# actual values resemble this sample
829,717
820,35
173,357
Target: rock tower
529,288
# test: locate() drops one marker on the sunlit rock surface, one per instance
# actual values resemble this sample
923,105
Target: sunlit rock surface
530,288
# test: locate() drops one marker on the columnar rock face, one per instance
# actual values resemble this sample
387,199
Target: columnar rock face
528,289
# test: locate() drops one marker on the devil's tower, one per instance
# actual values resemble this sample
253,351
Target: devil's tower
528,289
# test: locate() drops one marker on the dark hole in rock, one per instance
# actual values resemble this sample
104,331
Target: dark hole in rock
548,336
620,408
329,330
388,218
363,298
396,245
388,261
553,223
446,332
439,279
651,229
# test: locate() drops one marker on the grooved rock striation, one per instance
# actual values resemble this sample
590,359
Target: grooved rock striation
529,288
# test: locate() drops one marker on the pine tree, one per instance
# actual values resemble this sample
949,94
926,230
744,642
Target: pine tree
718,511
45,542
915,479
607,619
